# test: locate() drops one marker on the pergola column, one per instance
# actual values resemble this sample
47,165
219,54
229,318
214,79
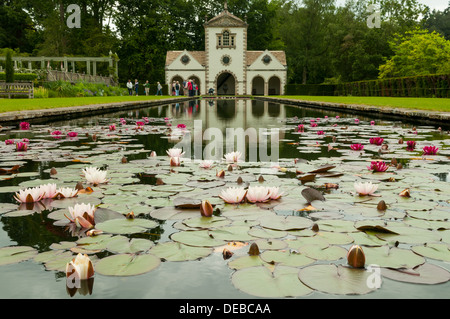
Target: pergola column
73,66
66,65
88,67
266,88
29,65
94,68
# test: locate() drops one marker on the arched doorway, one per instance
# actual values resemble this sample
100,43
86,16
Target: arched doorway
178,79
258,86
196,80
226,84
274,86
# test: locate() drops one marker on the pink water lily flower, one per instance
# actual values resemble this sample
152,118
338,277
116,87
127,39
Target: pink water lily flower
372,122
357,147
48,191
175,152
112,127
233,195
175,161
9,142
82,215
24,126
72,134
181,126
320,132
258,194
410,145
29,195
21,147
301,128
206,164
366,188
314,125
378,166
140,123
56,132
376,140
233,157
356,121
275,193
430,150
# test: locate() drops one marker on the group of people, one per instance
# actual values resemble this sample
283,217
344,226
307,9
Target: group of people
135,88
189,87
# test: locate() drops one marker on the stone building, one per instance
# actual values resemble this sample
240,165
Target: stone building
226,65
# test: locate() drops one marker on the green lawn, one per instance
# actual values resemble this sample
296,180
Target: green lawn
431,104
7,105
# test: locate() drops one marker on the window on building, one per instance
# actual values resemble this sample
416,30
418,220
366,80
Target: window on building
226,39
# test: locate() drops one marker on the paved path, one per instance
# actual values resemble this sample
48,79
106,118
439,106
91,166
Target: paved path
430,117
45,115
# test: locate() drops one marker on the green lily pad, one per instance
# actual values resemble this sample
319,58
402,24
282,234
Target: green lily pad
126,226
16,254
336,279
426,274
173,251
123,245
285,222
392,257
286,258
198,238
126,265
261,282
206,222
434,251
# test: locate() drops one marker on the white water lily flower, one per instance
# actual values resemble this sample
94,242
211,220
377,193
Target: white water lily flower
274,193
95,176
233,195
80,267
366,188
175,152
48,190
29,195
67,192
207,164
233,157
258,194
82,215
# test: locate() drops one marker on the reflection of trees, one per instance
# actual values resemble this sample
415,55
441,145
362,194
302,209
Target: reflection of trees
34,230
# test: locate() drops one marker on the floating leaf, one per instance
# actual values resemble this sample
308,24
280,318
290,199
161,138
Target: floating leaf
336,279
126,226
427,274
261,282
126,265
173,251
434,251
16,254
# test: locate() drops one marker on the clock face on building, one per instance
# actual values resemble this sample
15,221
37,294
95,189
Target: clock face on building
226,59
185,59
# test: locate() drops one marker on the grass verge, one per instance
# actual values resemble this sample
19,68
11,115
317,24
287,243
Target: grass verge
9,105
430,104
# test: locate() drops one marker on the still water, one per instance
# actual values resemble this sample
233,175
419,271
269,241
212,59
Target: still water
207,277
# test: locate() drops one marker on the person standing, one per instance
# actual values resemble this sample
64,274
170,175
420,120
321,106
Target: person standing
191,88
159,89
130,87
177,88
147,88
136,87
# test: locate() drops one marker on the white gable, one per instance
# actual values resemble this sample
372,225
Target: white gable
258,63
178,64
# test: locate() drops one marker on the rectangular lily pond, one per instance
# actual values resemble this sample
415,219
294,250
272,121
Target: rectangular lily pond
225,199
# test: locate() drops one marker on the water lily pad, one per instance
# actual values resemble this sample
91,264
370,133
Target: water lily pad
123,245
126,264
206,222
434,251
285,222
173,251
426,274
126,226
198,238
16,254
261,282
336,279
286,258
392,257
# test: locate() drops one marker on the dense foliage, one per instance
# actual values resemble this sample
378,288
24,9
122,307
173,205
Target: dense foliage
324,42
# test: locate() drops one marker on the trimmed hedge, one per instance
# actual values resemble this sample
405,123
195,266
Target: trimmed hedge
20,77
417,86
310,89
